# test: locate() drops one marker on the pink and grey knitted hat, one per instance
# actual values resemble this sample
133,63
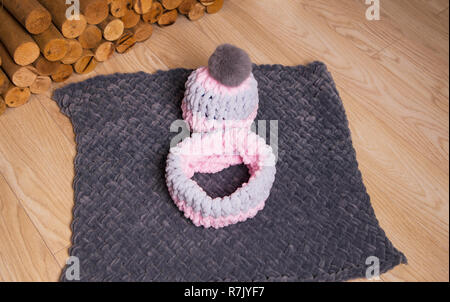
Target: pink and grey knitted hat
223,94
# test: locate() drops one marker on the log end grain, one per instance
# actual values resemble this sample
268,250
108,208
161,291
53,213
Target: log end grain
142,31
38,20
118,8
63,73
171,4
168,18
86,63
125,42
16,96
23,77
214,7
55,49
197,11
41,85
130,19
74,53
155,12
26,53
95,11
113,30
104,51
90,37
72,29
142,6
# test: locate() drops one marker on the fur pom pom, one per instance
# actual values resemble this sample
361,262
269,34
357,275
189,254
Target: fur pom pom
229,65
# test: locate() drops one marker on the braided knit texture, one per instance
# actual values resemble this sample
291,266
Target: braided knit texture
317,225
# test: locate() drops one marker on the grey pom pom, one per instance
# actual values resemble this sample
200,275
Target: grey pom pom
230,65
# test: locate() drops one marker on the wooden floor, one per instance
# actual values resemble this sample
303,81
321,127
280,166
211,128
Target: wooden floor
393,76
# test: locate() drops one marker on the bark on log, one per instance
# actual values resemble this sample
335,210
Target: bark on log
69,28
104,51
142,6
168,18
4,82
95,11
74,53
153,15
215,7
2,106
17,41
41,85
86,63
112,28
20,76
63,73
118,8
52,44
171,4
126,42
30,13
130,19
142,31
44,67
90,37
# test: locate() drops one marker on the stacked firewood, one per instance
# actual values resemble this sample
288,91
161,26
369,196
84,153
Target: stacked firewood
39,44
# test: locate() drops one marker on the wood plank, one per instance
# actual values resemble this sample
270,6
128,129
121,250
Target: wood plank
348,18
62,256
24,255
37,161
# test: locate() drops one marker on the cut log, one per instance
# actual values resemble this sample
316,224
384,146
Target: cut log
130,19
4,81
69,28
197,11
118,8
142,31
30,13
215,7
19,44
90,37
186,6
126,42
74,53
104,51
2,106
112,28
86,63
168,18
171,4
41,85
153,15
16,96
44,67
142,6
20,76
95,11
52,44
63,73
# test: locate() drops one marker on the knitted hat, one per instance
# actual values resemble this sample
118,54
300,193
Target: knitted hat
224,94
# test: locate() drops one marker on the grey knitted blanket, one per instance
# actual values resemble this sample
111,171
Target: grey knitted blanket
317,225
